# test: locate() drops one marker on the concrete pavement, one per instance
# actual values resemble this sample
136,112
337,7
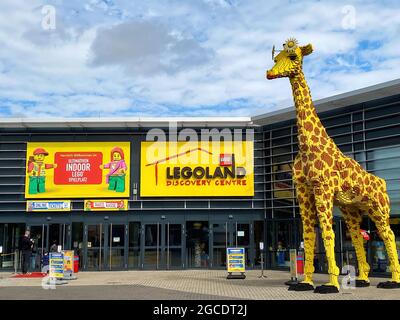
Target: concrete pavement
181,285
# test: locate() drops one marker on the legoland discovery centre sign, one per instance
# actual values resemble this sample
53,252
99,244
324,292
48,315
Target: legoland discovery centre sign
196,169
77,169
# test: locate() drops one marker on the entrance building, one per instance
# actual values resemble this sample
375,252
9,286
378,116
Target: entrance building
175,229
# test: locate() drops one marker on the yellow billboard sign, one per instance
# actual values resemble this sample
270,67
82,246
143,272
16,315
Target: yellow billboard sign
77,169
196,169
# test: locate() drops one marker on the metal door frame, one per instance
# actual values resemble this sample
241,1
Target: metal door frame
162,245
107,253
230,239
102,249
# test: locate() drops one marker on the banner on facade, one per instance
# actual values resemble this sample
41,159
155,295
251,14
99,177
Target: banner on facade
106,205
48,205
235,259
77,169
196,169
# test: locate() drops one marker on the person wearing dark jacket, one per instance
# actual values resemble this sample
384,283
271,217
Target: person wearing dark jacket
26,248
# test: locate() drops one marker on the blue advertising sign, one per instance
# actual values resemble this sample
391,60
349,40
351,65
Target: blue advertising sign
56,265
236,259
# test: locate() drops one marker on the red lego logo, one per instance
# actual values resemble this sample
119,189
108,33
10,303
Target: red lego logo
225,159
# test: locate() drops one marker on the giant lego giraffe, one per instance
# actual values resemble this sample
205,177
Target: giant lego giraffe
324,176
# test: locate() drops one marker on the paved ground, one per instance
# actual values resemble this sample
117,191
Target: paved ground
180,285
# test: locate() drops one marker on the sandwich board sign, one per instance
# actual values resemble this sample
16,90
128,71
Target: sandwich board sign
236,262
56,268
69,265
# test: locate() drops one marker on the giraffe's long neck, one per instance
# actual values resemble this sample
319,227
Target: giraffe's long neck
308,123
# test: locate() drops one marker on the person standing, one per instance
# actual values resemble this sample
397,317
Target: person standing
54,247
26,248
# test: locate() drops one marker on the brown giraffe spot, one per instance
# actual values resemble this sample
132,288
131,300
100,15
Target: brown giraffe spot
344,174
328,238
302,114
309,230
323,141
302,189
311,156
345,186
318,192
365,199
314,139
348,163
308,113
297,165
382,200
314,148
308,126
354,176
317,131
366,180
319,164
327,158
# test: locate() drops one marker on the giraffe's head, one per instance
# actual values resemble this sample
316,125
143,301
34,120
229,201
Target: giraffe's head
289,61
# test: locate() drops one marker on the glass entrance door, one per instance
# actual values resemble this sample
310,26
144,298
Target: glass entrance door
231,234
197,244
95,247
116,248
57,236
10,236
173,245
134,242
162,245
152,246
40,244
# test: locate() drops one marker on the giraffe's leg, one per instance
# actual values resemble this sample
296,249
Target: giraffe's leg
381,220
324,206
309,219
353,218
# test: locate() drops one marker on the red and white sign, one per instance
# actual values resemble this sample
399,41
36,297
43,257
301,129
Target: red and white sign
78,168
365,234
98,205
225,159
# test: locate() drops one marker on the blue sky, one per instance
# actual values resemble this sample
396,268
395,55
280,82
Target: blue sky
120,58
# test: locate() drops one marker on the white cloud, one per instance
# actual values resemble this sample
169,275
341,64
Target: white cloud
184,58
